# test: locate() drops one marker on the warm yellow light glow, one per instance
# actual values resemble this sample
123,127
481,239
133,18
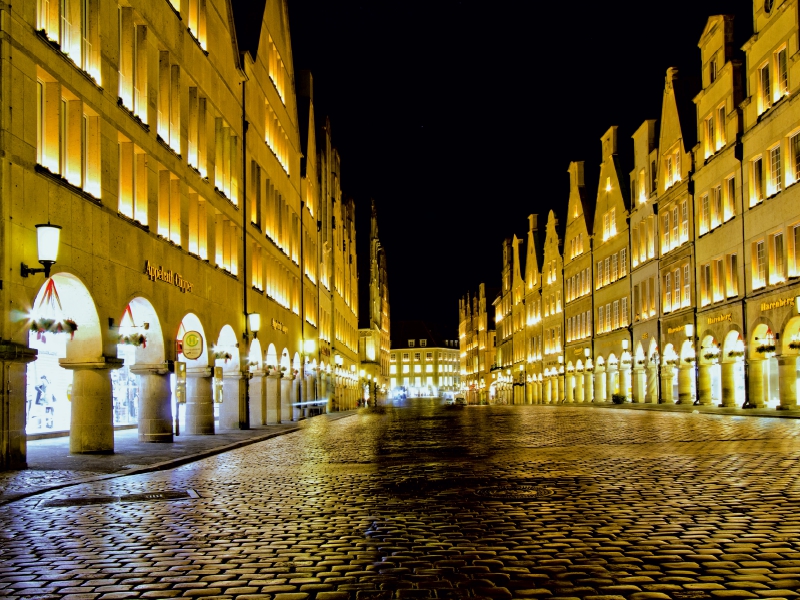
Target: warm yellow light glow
254,320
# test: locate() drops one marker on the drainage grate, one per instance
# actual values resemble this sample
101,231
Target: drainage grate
146,497
515,492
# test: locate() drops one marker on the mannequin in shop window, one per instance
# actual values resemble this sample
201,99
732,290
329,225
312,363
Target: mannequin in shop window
44,397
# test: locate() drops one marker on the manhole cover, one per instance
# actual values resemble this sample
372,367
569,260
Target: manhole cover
85,501
515,492
146,497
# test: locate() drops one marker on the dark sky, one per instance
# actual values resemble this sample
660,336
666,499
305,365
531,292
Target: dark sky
460,118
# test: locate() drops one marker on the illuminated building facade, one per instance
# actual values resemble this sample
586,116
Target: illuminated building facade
476,346
374,334
422,362
578,289
533,312
553,313
175,157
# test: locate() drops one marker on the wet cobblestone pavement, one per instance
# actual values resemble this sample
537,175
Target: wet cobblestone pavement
429,502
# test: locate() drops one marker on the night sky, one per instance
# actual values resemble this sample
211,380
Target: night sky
461,118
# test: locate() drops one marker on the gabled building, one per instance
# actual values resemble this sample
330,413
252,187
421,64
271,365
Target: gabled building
427,360
553,313
644,257
533,312
676,266
519,356
476,346
501,385
610,253
578,287
719,245
771,171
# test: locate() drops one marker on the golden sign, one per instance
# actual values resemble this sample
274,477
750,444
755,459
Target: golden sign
720,318
777,304
278,326
161,274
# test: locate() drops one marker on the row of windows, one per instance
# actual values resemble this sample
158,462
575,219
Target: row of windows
773,80
429,381
612,268
639,191
552,340
609,219
677,291
643,240
762,186
772,260
675,226
576,246
613,315
579,285
719,279
428,356
714,129
552,304
717,206
418,369
644,299
579,326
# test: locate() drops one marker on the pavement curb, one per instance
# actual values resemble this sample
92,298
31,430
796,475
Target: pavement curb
160,466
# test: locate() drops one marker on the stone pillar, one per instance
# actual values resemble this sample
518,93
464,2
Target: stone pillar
625,383
233,410
685,375
537,392
560,382
704,384
286,400
155,402
756,393
14,358
588,385
729,384
600,386
651,395
579,387
570,391
667,395
258,399
273,398
199,401
611,380
639,385
787,382
92,420
548,394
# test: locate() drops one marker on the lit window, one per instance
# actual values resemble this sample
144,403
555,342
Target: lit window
764,95
684,221
667,293
416,356
423,343
687,286
778,270
759,265
794,157
732,276
405,369
711,136
728,199
133,64
197,21
169,102
775,183
623,262
705,214
757,181
74,26
782,74
721,122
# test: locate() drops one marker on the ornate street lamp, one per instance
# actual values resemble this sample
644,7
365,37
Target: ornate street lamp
47,238
254,320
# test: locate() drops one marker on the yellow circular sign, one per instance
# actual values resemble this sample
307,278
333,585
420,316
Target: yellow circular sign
192,345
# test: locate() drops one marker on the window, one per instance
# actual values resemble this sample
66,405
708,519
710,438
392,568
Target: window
226,161
759,265
674,236
705,284
416,356
672,169
719,281
405,356
721,122
782,74
411,343
712,70
606,228
428,355
716,207
624,311
608,317
429,368
665,241
197,21
778,271
599,275
676,290
417,368
684,221
732,276
705,215
613,221
169,102
132,181
607,270
637,303
198,230
757,181
728,199
687,287
197,135
764,97
423,344
600,319
74,25
132,64
795,250
615,315
393,357
276,139
406,369
169,206
614,268
667,293
623,262
775,183
711,136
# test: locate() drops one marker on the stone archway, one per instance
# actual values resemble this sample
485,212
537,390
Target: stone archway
69,385
143,384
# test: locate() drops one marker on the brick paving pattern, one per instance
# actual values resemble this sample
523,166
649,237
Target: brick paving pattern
428,502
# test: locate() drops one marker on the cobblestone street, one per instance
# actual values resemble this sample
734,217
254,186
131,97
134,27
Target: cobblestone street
427,501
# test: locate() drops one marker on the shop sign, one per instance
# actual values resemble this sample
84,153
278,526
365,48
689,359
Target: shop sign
161,274
777,304
645,335
192,345
720,319
278,326
676,329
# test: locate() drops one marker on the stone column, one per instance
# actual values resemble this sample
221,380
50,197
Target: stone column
537,392
625,382
155,402
286,400
199,401
639,385
233,410
667,395
588,385
729,384
685,375
14,358
547,390
756,393
579,397
258,399
600,385
651,395
560,395
787,382
704,384
92,419
570,391
273,398
611,379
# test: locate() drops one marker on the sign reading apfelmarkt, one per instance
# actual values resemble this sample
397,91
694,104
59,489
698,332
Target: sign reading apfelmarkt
169,276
